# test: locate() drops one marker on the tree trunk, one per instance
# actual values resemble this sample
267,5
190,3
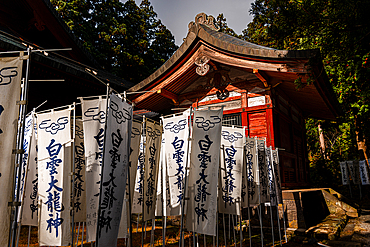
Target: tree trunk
361,141
322,142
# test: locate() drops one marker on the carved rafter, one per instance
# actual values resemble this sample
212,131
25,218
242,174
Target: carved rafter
203,66
263,77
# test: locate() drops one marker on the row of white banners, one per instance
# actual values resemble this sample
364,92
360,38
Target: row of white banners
356,170
227,171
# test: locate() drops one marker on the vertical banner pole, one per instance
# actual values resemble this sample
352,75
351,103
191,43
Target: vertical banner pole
272,226
233,223
152,234
129,193
102,169
22,115
282,205
82,235
78,232
29,236
73,175
223,223
185,179
164,230
142,219
241,229
249,226
217,231
277,201
259,207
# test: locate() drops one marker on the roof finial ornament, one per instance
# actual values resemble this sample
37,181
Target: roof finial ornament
206,20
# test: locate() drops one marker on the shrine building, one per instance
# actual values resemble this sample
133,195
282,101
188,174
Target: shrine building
270,92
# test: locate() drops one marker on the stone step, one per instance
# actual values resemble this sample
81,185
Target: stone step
329,228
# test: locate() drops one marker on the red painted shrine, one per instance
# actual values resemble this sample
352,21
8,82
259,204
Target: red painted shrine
255,84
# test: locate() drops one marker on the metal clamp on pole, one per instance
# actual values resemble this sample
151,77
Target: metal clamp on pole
22,102
18,151
14,204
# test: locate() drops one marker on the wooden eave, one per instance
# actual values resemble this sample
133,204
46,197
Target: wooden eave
279,66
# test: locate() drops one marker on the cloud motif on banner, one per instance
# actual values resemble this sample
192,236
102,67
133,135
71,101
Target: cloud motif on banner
120,115
250,144
135,132
176,127
95,114
28,126
6,75
53,128
153,133
231,137
207,124
79,132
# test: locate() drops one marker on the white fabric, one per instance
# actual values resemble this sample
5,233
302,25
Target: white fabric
152,152
79,192
115,167
137,206
354,171
344,171
176,132
203,175
134,155
10,90
252,172
271,177
263,174
28,130
30,203
93,116
275,158
54,161
364,172
230,177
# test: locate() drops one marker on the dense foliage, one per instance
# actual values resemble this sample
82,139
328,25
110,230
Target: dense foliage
126,39
341,30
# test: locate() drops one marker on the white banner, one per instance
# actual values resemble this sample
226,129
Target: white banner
137,206
354,171
10,90
54,161
134,155
79,192
115,167
166,206
262,168
203,175
344,170
271,177
251,173
152,151
364,172
230,178
30,203
28,130
176,132
93,117
275,159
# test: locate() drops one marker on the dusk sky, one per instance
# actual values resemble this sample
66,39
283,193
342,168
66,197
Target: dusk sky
176,14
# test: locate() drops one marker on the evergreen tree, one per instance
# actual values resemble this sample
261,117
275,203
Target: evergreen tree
341,30
125,39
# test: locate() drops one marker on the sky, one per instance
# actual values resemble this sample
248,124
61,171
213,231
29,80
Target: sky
176,14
